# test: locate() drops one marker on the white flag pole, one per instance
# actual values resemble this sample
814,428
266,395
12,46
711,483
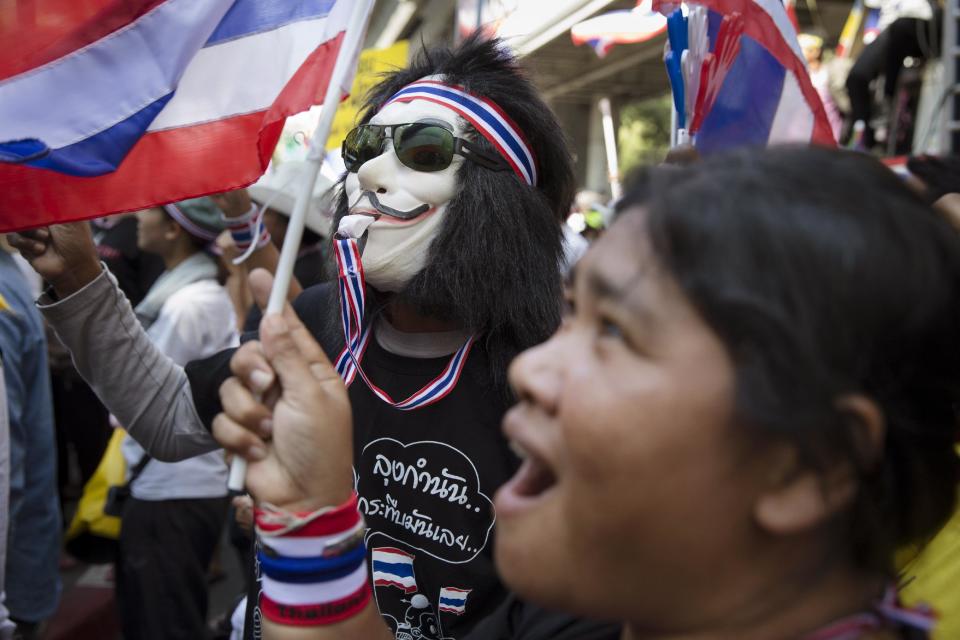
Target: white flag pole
610,143
349,51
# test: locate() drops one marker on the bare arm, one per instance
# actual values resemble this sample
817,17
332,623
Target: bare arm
306,462
236,203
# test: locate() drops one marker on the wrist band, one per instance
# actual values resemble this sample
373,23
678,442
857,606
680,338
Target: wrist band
316,593
319,569
316,614
248,232
246,218
314,564
272,521
314,547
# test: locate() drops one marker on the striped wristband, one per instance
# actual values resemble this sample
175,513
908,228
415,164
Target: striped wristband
313,564
247,228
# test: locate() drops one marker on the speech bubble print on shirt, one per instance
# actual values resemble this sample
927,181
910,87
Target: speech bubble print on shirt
427,495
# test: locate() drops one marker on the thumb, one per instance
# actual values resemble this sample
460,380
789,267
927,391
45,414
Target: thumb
293,352
261,282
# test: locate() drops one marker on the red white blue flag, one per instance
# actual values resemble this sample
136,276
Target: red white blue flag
454,600
758,88
630,26
393,568
118,105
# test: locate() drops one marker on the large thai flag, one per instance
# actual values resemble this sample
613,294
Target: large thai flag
116,105
767,96
393,568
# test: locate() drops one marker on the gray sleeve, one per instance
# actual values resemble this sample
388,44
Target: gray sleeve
147,392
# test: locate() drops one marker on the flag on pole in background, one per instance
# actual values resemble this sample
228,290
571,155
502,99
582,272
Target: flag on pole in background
117,105
754,77
631,26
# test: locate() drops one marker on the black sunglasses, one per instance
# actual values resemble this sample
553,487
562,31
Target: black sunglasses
419,145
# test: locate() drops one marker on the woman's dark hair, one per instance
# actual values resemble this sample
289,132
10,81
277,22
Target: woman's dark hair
198,244
824,275
495,263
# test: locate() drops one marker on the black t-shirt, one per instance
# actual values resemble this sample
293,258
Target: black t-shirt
425,479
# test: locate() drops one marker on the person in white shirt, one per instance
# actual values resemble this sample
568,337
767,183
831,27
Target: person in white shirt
173,518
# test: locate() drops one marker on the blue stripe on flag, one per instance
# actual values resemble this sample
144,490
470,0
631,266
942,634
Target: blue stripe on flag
453,603
93,156
398,569
747,103
247,17
354,284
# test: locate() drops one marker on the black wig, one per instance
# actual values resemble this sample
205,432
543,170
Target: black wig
494,266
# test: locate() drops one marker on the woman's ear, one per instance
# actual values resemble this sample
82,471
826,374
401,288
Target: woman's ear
173,230
801,497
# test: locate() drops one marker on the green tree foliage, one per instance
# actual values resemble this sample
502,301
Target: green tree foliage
644,134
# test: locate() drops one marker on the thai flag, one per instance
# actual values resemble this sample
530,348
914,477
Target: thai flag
393,568
619,27
453,600
115,105
766,96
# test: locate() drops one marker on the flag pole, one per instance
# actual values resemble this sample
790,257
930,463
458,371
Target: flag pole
356,27
610,143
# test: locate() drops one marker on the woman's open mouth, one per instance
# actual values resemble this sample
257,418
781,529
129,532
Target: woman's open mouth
532,482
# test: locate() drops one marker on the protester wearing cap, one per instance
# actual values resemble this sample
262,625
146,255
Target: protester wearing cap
172,520
275,193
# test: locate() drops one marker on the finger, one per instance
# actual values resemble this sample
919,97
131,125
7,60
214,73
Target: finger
252,368
236,439
28,242
41,234
243,408
293,352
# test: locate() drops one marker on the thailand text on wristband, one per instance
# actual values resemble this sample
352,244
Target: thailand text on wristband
316,614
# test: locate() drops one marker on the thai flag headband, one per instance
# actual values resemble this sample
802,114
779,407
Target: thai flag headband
485,116
192,228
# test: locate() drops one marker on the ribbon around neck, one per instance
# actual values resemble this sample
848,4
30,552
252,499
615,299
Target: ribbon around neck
352,289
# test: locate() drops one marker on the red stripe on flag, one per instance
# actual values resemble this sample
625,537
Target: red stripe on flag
163,167
166,166
760,26
308,86
41,31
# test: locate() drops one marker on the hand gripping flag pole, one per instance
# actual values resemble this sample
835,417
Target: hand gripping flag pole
342,70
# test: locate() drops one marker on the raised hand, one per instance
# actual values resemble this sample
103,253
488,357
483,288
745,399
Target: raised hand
298,438
233,203
63,254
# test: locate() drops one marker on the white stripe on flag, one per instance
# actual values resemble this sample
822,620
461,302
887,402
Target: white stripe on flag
81,94
775,9
316,592
794,120
240,76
